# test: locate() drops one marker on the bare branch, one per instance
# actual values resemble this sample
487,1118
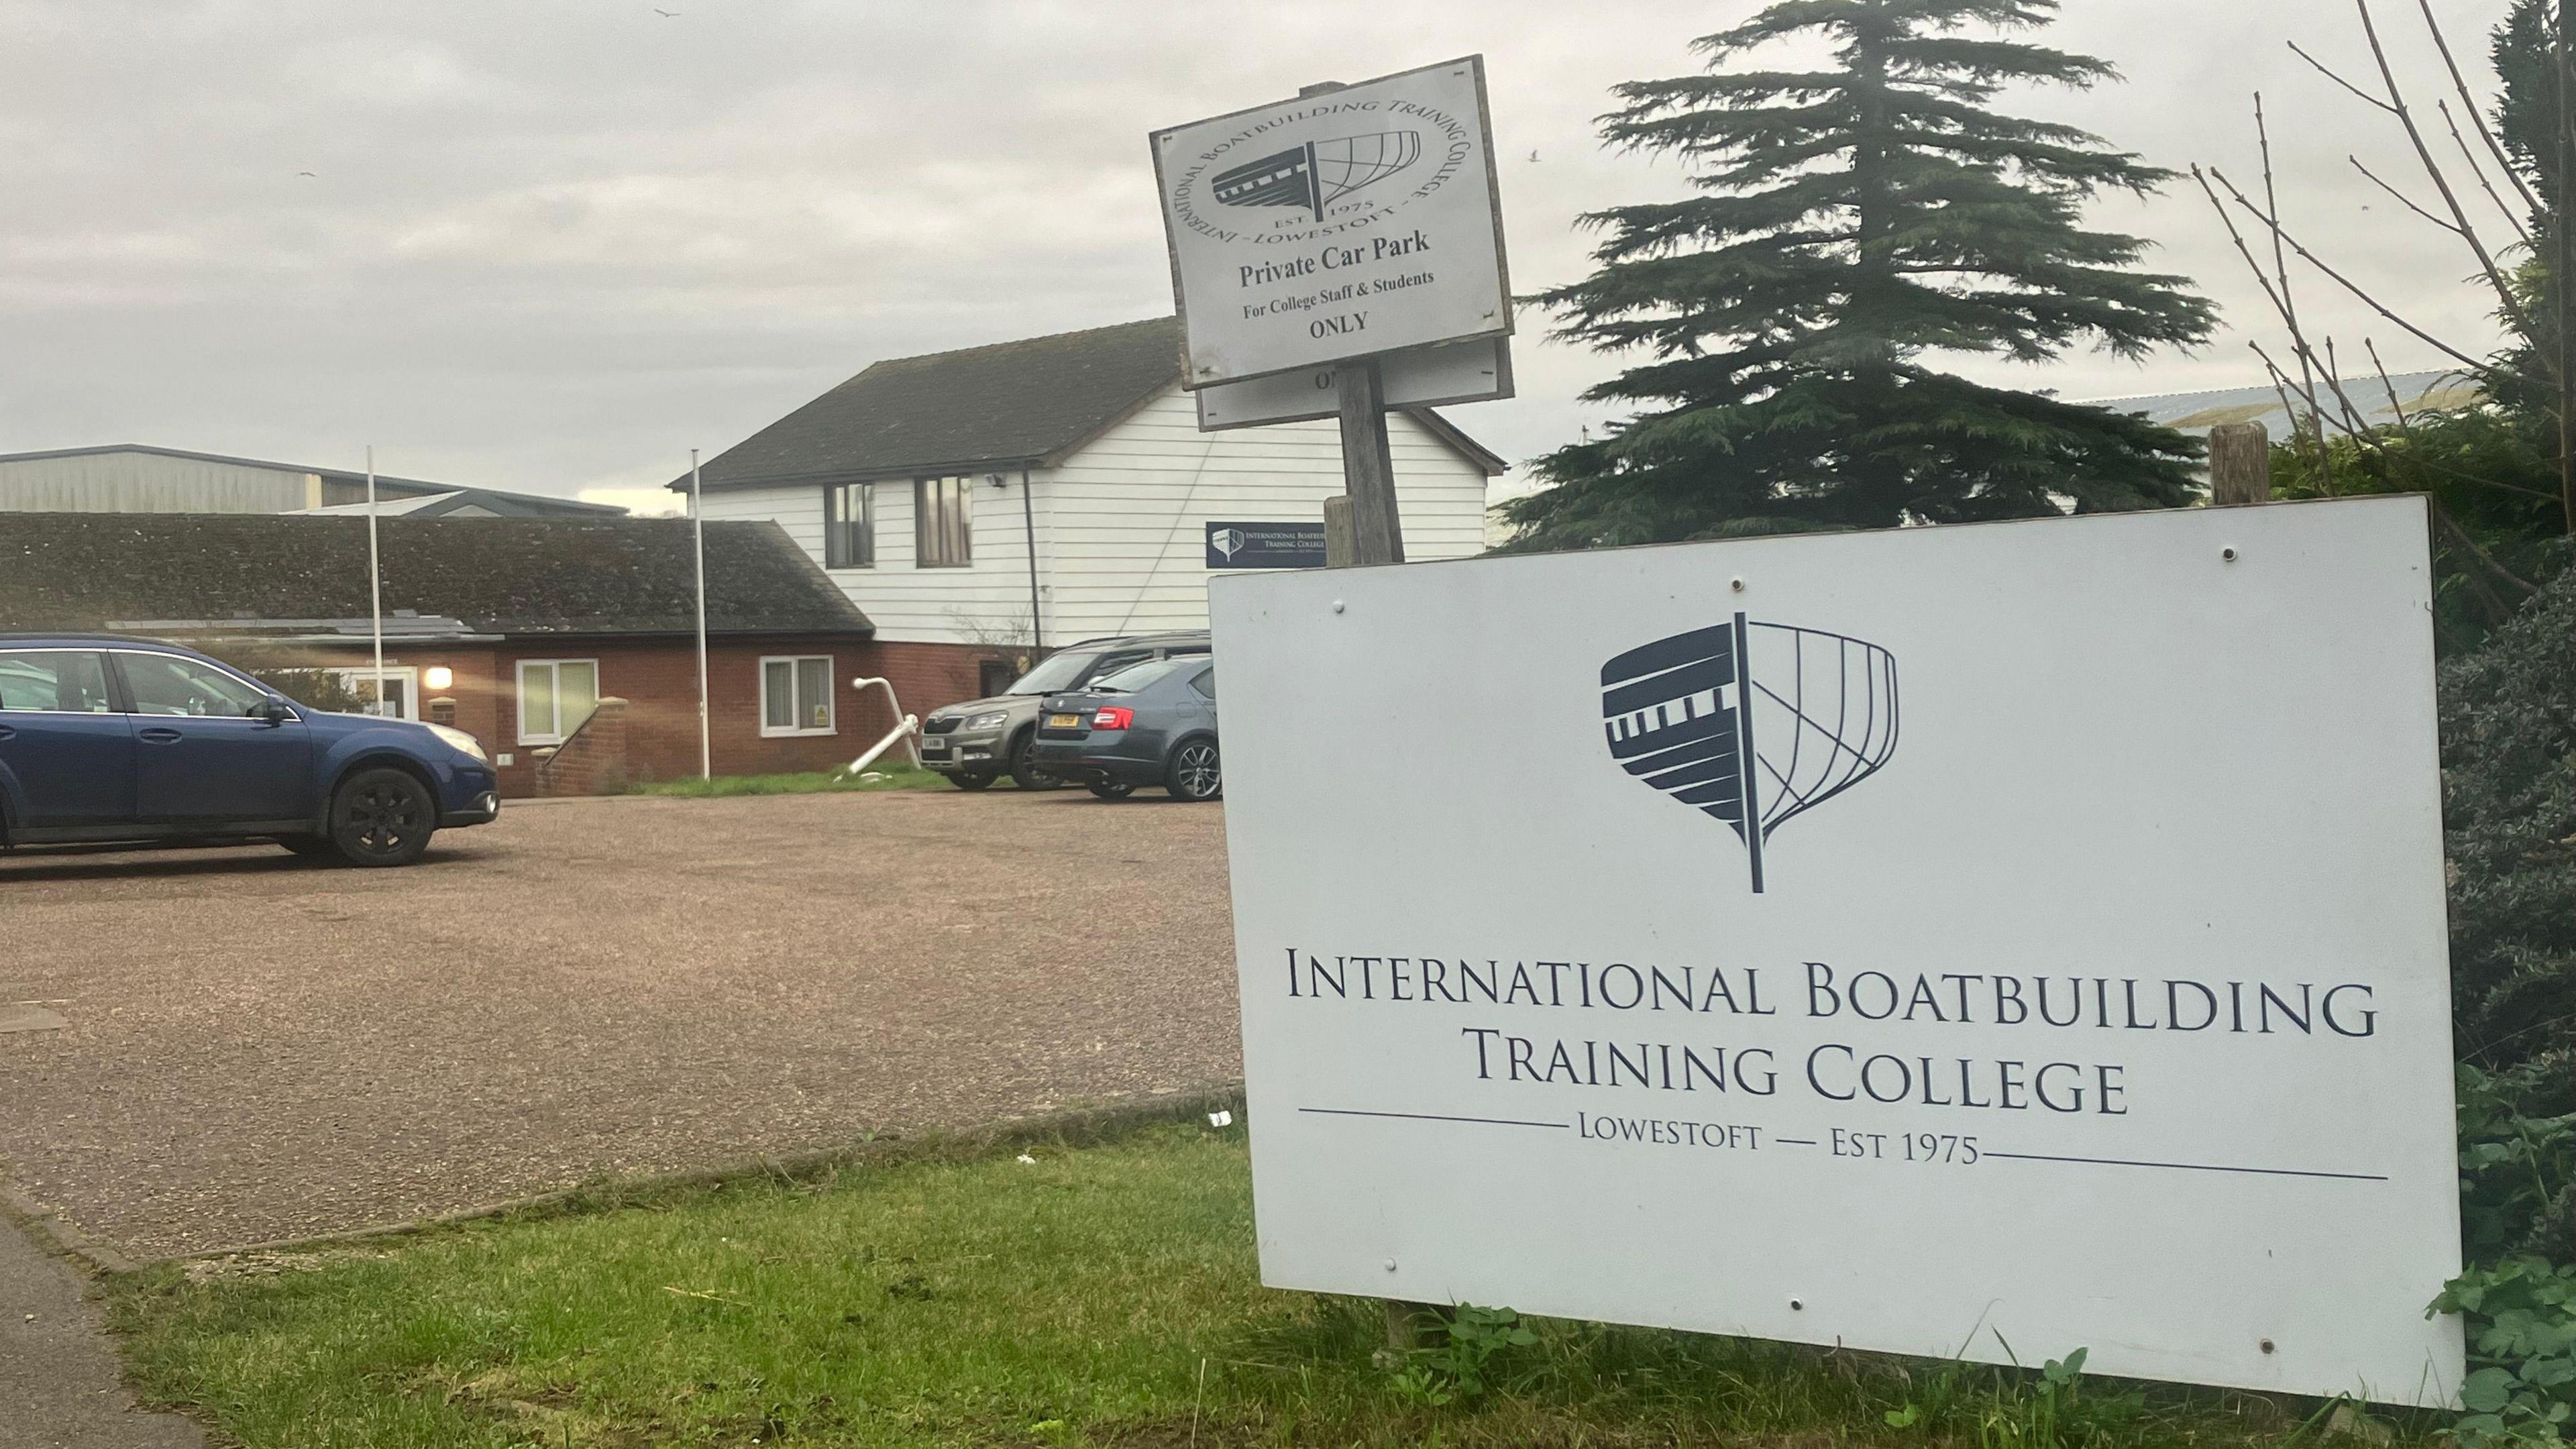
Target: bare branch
2281,270
2469,103
2401,196
2339,278
2361,437
2339,80
2356,421
2299,429
2519,230
2367,439
2280,302
2459,215
2405,428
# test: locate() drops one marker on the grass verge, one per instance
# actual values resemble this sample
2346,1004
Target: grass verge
818,782
1099,1295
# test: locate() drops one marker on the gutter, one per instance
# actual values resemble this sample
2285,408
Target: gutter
947,468
1029,532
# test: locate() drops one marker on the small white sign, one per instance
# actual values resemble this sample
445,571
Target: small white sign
1459,372
1344,224
1980,940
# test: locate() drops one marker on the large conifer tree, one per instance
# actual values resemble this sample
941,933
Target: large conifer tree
1849,223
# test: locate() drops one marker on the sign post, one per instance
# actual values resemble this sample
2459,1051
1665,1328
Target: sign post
1354,226
1368,466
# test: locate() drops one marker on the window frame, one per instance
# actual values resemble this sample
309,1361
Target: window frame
925,530
866,524
831,695
519,689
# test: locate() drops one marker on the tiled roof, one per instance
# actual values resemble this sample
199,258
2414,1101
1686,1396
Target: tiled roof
1009,404
519,576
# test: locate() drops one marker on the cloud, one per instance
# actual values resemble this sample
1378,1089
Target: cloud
552,247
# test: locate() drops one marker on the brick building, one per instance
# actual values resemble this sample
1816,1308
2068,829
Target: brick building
566,645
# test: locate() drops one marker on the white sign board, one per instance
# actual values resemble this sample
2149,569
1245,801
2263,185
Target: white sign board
1458,372
1985,940
1339,225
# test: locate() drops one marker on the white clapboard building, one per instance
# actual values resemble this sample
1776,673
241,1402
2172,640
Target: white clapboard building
986,504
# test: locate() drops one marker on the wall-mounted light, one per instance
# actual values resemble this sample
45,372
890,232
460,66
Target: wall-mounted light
438,677
997,480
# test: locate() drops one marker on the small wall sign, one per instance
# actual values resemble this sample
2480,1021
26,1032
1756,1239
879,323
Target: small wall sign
1265,545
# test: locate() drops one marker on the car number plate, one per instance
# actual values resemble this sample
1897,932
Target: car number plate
1064,721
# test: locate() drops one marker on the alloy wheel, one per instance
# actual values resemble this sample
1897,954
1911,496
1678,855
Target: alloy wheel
1197,772
383,818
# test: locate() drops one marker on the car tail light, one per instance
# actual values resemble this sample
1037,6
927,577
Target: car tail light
1113,718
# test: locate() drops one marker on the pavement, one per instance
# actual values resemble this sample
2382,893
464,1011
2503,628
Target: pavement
59,1384
209,1049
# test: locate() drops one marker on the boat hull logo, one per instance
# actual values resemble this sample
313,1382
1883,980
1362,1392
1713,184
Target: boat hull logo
1751,723
1313,176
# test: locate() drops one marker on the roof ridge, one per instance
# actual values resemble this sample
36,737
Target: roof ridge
982,347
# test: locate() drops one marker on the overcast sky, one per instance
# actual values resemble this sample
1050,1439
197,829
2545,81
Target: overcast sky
553,246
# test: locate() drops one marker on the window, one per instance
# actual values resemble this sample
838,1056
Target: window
555,696
1109,664
850,526
1054,673
943,533
1206,683
167,684
1137,676
59,681
401,692
796,696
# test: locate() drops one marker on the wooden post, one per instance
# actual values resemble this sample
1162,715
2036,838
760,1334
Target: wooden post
1362,526
1368,468
1341,545
2240,464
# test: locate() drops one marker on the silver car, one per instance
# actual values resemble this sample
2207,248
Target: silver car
981,740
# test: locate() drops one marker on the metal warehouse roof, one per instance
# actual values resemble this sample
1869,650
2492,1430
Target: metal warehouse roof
2197,412
522,505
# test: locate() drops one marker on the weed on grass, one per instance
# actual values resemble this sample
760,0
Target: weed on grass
1100,1295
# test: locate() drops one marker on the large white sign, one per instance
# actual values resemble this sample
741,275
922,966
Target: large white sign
1338,225
1420,377
1983,940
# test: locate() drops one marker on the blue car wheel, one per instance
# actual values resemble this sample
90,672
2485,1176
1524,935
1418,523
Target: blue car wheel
382,817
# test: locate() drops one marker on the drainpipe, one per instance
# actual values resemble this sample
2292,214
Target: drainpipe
1029,530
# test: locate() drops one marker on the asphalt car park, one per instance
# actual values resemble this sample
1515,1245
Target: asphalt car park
206,1048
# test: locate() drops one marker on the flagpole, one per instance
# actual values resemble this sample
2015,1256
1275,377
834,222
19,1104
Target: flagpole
698,527
375,583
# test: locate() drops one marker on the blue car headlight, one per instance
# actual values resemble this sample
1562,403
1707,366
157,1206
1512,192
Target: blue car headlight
460,741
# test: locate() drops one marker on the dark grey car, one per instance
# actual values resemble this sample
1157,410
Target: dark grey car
978,742
1149,724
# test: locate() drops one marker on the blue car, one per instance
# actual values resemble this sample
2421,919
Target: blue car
126,740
